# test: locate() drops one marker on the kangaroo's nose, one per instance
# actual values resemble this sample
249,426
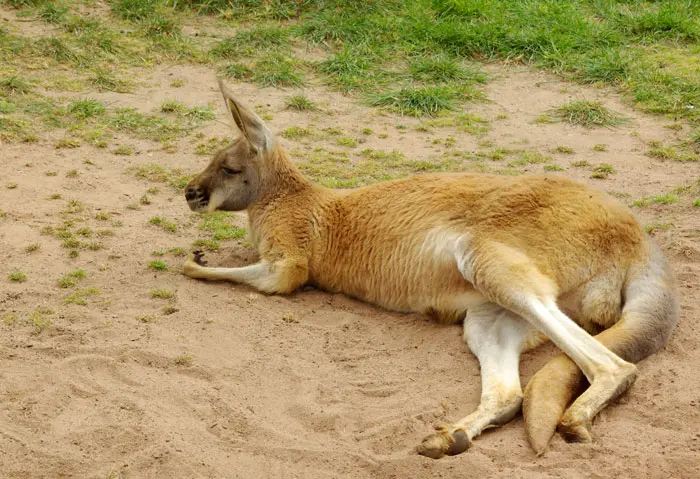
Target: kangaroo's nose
191,193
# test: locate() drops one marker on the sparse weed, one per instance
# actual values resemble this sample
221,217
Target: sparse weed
81,296
602,171
300,103
161,294
665,199
564,149
17,276
71,278
158,265
30,248
163,224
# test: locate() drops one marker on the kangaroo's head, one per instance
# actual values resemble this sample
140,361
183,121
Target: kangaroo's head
231,181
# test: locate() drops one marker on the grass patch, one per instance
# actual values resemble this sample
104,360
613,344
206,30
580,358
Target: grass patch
553,168
665,199
657,227
219,226
17,276
669,153
251,42
71,278
163,224
30,248
15,85
296,133
337,170
86,108
39,318
588,114
236,71
206,244
602,171
443,69
276,70
566,150
161,294
158,265
300,103
81,296
153,172
417,101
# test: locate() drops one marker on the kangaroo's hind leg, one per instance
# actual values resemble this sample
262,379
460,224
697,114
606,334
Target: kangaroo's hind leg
496,337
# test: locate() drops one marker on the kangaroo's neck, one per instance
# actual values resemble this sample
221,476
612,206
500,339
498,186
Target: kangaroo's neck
280,179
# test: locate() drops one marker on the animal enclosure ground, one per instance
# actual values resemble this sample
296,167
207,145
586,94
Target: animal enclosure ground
116,365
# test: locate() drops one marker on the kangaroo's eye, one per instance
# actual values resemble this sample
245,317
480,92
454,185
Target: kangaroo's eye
230,171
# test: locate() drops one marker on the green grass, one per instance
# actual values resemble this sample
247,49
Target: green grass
296,133
71,278
17,276
300,103
219,226
161,294
236,71
277,70
338,170
81,296
564,149
158,265
665,199
163,224
602,171
15,85
153,172
86,108
417,101
32,247
443,69
588,114
647,50
251,42
39,318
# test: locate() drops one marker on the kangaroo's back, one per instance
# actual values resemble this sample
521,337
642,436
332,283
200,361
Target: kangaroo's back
395,243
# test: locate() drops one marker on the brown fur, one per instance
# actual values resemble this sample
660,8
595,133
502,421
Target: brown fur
393,244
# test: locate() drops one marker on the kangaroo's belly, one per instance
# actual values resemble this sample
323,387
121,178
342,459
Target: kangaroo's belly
417,272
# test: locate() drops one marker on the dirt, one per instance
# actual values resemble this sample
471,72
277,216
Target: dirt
237,384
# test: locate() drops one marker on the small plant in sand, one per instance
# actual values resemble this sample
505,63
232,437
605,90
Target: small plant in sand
71,278
300,103
602,171
161,294
665,199
17,276
158,265
30,248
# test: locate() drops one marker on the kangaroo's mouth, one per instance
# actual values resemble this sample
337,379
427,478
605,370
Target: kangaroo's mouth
198,206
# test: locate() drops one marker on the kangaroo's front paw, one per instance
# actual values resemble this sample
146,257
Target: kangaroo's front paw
444,442
197,257
193,264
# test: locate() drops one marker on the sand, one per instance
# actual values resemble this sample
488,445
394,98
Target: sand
236,384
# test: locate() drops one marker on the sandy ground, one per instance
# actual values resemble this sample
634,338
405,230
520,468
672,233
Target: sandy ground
235,384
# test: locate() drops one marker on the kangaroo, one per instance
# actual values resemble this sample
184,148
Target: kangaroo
520,260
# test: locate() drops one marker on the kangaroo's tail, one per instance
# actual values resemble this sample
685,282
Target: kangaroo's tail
649,316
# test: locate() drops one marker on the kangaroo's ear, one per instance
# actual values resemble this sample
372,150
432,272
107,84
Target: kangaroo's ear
250,124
